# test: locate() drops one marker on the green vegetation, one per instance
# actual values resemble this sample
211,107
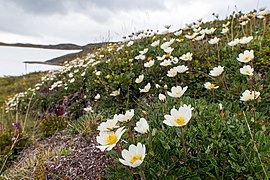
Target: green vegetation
227,134
11,85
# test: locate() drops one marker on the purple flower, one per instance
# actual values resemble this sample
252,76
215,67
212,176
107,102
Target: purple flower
16,125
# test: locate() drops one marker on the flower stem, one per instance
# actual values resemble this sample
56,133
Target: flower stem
213,92
255,147
142,173
183,143
10,152
130,132
150,141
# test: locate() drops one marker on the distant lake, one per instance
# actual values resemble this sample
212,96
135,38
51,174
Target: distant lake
12,58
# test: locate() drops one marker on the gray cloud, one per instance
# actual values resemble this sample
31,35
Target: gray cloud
82,21
49,7
41,7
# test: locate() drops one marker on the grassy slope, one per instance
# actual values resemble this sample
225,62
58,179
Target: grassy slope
212,150
11,85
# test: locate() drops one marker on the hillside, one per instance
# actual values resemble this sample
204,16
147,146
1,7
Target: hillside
85,49
9,86
189,104
57,46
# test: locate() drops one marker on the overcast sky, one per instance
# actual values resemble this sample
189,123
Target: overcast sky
85,21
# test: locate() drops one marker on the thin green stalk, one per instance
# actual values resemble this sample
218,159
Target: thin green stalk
142,173
150,141
213,92
183,143
27,112
218,53
7,156
130,134
255,147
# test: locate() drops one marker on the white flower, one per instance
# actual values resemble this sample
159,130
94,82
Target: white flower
172,72
175,60
83,74
128,115
88,109
162,97
214,40
157,86
178,33
120,117
177,91
109,139
166,62
144,51
179,117
115,93
167,44
210,86
261,14
130,43
72,80
140,57
161,58
248,95
234,42
165,86
168,50
244,23
70,75
134,156
155,43
142,126
139,79
196,30
109,125
98,73
146,88
191,36
225,30
97,97
186,57
198,38
216,71
246,56
247,70
245,40
149,63
220,106
210,31
181,69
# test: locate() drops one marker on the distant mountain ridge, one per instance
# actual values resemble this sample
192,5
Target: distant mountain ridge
64,46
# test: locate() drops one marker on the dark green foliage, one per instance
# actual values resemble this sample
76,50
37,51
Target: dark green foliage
51,124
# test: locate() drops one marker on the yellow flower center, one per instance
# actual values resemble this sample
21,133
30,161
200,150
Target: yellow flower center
247,72
135,158
246,58
168,55
250,96
211,86
111,139
180,120
177,92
